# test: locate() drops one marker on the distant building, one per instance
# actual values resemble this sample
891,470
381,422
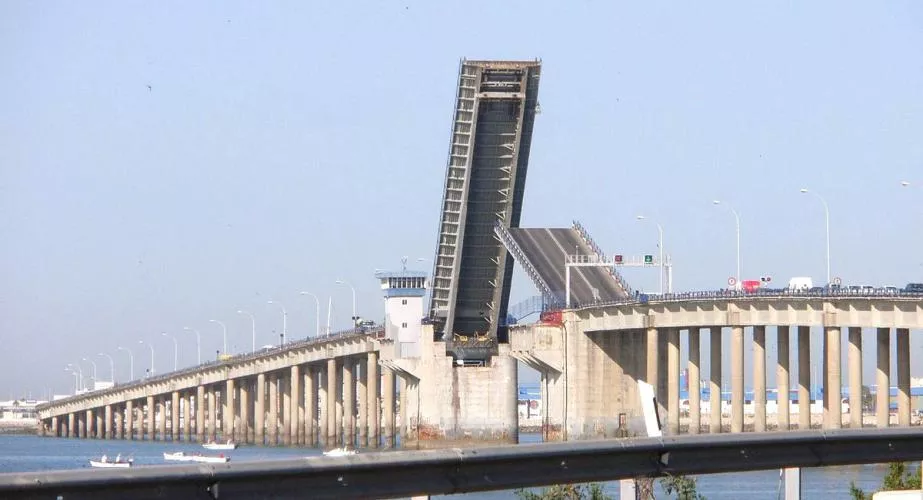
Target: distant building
18,409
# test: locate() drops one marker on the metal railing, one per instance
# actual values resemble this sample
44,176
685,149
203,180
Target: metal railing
449,471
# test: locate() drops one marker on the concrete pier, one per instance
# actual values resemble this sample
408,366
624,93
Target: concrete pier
695,389
387,417
331,432
349,400
737,379
902,336
673,381
883,378
783,376
833,407
259,412
759,378
855,377
804,377
310,405
714,386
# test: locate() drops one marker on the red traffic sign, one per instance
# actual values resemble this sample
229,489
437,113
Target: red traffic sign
732,281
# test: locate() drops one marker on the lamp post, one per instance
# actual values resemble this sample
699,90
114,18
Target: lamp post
660,244
316,313
175,348
224,329
94,370
79,374
131,362
826,225
111,366
284,319
152,356
76,379
737,222
198,344
252,331
343,282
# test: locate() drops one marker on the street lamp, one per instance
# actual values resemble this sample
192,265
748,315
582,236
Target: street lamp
253,331
76,379
175,348
660,244
826,224
316,313
224,329
131,362
111,366
284,320
94,370
737,221
79,375
355,317
152,356
198,344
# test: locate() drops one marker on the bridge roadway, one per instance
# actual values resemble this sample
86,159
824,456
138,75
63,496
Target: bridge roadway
546,250
590,364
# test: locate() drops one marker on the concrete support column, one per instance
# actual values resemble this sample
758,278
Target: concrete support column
714,386
833,408
349,403
903,376
322,397
186,401
783,375
86,420
242,434
297,428
174,416
200,413
151,419
108,431
363,404
387,411
129,420
273,420
71,422
161,416
285,392
310,407
652,359
694,377
331,441
737,379
804,378
759,378
883,378
672,381
212,413
372,386
259,410
227,427
55,429
101,423
855,377
118,418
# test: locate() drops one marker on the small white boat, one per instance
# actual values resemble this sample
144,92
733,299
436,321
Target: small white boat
107,463
340,452
230,445
180,456
177,456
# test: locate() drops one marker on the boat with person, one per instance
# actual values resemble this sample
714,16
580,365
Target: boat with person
229,445
181,456
107,463
340,452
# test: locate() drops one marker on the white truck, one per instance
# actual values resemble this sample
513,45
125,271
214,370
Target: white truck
800,284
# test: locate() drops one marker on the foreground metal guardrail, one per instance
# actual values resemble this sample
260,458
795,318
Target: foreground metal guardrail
404,473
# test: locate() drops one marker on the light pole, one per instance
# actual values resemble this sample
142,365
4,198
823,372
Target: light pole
111,366
198,344
316,313
284,320
79,375
76,379
175,348
94,370
224,329
660,244
253,330
826,225
152,356
737,222
355,317
131,362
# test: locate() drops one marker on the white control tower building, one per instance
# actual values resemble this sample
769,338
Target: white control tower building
404,292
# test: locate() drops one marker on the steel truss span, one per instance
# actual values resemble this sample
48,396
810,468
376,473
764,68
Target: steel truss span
485,179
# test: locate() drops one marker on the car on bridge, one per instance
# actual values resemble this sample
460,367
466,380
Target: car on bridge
913,288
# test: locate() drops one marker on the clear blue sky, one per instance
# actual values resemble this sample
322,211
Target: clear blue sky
167,163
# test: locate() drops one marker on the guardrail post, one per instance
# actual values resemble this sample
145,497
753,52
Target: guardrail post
793,483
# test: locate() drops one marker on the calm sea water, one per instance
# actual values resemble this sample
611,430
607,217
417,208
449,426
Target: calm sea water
32,453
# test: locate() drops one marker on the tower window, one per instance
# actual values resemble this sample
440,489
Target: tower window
403,302
404,325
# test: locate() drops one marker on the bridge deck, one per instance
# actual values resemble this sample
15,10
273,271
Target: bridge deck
546,249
